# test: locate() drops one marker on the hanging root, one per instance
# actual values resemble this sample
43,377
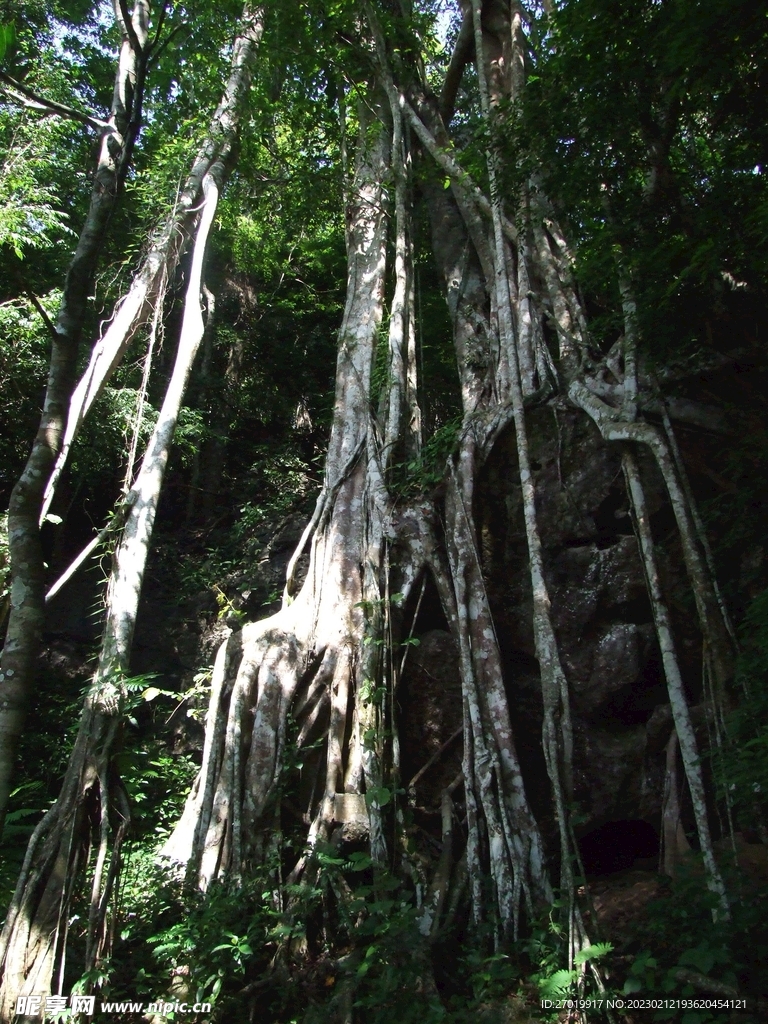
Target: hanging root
712,620
680,710
710,609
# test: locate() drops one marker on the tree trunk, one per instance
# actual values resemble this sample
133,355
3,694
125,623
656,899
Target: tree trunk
313,647
34,936
27,608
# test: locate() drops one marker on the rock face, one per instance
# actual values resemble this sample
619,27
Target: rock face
601,612
430,714
602,619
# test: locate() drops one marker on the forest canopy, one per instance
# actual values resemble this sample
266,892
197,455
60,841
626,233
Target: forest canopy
383,444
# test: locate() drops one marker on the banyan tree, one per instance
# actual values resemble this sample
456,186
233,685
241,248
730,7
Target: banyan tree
324,676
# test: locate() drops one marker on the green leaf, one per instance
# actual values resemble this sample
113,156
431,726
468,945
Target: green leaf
702,957
378,794
558,983
6,38
599,949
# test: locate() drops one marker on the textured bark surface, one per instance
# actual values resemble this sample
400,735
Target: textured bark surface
34,937
27,607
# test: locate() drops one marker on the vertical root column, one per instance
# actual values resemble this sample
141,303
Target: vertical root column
493,778
613,428
680,710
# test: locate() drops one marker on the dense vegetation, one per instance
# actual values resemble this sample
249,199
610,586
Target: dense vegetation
619,180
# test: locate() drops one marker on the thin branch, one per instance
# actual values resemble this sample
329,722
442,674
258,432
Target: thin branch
159,29
437,754
114,524
34,101
44,316
82,557
156,54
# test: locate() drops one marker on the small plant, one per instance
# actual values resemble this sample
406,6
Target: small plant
426,473
546,953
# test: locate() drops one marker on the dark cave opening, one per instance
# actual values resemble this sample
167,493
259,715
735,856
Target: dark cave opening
426,607
618,845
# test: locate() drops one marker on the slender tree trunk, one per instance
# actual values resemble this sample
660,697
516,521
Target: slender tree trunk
34,936
27,609
132,552
169,244
680,710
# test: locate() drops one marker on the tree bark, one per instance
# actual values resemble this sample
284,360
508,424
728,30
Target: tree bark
27,609
34,937
34,934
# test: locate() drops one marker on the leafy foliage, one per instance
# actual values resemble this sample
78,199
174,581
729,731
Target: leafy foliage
677,935
644,119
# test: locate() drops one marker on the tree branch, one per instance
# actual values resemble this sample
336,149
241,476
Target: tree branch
159,29
114,524
462,54
437,754
441,154
44,316
29,98
156,53
130,31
